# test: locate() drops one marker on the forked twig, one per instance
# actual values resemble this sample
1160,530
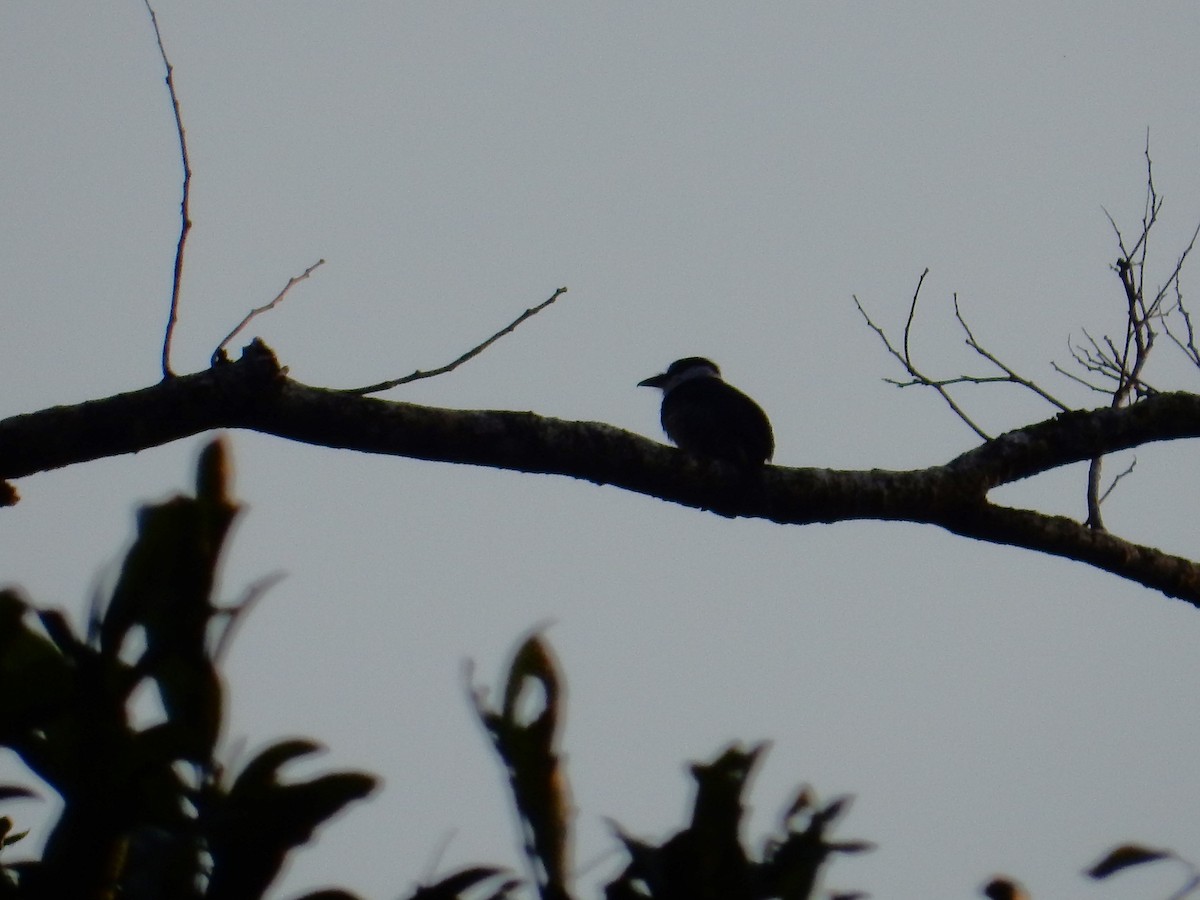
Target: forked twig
1124,366
257,311
1172,283
905,359
470,354
186,222
1010,374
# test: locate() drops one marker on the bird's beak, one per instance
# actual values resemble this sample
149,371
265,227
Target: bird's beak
656,381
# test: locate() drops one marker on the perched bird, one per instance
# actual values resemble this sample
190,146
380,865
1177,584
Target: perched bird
707,417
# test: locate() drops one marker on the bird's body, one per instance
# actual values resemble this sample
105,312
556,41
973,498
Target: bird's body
707,417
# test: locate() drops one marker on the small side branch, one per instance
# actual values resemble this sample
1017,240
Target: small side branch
1117,480
1187,345
218,354
470,354
1123,366
1010,374
905,359
185,218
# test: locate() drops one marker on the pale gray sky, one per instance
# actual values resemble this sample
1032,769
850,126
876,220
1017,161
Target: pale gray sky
714,181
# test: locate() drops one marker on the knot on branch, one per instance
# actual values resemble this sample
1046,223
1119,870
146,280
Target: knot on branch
257,363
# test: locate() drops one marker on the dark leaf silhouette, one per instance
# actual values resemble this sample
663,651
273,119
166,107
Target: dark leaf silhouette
135,822
1124,857
452,886
527,743
1004,889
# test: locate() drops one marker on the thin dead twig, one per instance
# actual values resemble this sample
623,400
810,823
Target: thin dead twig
1128,471
294,280
905,359
186,221
1010,374
470,354
1083,381
904,356
1188,347
1125,366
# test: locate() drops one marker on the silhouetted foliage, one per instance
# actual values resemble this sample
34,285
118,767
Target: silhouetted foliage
148,811
704,861
707,860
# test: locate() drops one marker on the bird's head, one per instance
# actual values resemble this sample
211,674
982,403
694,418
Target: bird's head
682,370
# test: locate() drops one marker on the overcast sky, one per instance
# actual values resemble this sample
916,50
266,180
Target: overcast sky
715,180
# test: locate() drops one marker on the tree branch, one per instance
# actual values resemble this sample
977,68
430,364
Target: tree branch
466,357
186,221
905,359
219,353
254,393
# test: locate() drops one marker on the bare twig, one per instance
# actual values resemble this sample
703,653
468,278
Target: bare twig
470,354
1172,283
185,219
1128,471
1124,366
1102,358
949,382
294,280
905,359
1188,346
912,313
1083,381
1010,374
904,356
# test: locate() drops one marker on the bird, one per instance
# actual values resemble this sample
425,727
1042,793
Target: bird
705,416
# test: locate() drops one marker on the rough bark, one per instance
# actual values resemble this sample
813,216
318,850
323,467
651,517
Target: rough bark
255,393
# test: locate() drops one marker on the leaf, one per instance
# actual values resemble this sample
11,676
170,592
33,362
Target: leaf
528,746
505,889
214,473
1004,889
35,678
533,662
252,827
452,886
1124,857
791,864
193,700
55,625
804,800
836,808
167,578
264,768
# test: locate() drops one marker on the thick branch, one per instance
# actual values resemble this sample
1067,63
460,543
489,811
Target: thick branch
1060,536
1081,435
254,393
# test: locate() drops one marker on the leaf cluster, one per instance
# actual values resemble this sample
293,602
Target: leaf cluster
147,810
706,860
